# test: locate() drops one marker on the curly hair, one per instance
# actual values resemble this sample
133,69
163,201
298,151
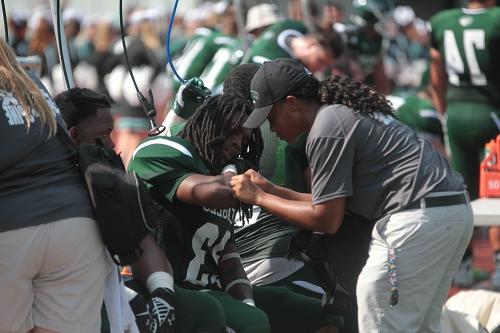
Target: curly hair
359,97
212,124
77,104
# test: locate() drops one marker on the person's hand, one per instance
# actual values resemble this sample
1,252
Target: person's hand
244,190
190,95
259,180
162,312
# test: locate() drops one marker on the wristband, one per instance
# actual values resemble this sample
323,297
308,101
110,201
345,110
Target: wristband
229,256
249,301
235,282
229,168
160,280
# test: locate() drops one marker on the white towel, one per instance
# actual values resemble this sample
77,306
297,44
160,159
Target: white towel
120,315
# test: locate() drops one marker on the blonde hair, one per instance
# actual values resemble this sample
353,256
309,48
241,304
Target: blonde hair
14,80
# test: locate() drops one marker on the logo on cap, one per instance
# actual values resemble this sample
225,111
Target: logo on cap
254,95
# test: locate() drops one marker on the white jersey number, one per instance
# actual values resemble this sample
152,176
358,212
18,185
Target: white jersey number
474,39
205,239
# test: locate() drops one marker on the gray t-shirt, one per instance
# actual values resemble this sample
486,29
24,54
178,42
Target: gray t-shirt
39,182
379,164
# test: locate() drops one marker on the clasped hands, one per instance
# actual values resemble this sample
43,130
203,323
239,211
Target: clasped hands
250,186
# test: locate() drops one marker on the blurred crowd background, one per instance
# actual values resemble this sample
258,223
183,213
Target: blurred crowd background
394,49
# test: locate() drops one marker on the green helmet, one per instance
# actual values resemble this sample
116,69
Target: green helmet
370,12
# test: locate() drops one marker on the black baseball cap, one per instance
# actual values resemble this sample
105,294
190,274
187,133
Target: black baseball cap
273,81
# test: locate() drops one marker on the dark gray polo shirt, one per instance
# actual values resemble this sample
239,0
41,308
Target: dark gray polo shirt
380,165
39,182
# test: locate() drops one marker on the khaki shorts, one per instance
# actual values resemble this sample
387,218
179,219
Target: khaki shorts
52,276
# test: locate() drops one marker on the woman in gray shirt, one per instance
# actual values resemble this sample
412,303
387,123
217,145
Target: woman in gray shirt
52,265
367,162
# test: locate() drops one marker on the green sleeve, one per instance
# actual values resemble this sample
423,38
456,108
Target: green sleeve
163,163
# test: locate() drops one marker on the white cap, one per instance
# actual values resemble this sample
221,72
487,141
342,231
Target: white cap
18,17
403,15
262,15
200,13
72,14
220,6
40,13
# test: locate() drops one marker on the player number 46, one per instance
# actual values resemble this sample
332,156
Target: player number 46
473,39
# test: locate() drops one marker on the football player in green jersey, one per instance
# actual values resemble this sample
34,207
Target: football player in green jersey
197,55
465,48
184,174
464,73
259,17
290,39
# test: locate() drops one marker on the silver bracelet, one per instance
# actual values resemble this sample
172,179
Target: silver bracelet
229,168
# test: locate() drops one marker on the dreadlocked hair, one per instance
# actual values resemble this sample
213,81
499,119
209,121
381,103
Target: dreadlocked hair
212,124
237,85
359,97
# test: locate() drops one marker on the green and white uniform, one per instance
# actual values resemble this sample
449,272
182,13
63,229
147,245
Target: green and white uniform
469,42
198,53
226,58
275,42
196,239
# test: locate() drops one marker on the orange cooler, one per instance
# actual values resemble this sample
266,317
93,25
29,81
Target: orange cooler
489,175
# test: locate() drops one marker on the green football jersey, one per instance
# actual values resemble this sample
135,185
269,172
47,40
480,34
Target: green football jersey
226,58
198,53
469,41
274,42
418,113
291,161
197,236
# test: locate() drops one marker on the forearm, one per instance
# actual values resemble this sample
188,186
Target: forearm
301,213
207,191
287,193
172,119
438,81
234,280
221,197
151,260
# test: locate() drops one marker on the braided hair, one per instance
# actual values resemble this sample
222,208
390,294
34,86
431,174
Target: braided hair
359,97
237,85
212,124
